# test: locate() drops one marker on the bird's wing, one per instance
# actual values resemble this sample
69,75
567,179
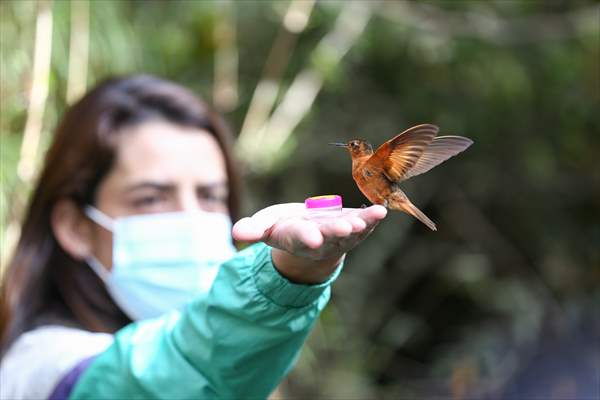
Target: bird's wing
399,154
438,151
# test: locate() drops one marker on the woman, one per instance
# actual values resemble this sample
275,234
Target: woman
125,283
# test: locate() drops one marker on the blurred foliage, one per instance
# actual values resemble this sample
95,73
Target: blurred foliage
503,300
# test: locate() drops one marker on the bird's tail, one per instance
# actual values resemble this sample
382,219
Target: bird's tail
411,209
399,201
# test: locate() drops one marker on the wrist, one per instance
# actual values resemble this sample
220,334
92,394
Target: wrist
304,270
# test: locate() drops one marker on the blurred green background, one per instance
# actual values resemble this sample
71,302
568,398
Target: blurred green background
503,300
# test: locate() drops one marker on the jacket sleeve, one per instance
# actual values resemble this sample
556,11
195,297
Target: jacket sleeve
237,342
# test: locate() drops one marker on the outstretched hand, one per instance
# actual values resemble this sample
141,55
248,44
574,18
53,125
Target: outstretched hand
307,250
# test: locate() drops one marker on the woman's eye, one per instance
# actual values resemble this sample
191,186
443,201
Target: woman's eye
147,201
212,197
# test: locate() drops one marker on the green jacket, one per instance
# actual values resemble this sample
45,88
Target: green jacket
237,342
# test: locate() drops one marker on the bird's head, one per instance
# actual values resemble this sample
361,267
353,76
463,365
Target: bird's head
356,147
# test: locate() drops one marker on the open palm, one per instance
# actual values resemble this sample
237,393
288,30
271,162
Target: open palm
285,227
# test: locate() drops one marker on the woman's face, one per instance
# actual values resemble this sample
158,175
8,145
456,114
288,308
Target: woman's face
160,167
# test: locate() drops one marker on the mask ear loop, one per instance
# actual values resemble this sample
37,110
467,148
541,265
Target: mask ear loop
107,223
99,217
98,268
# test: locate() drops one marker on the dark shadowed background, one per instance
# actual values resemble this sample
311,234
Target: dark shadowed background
503,301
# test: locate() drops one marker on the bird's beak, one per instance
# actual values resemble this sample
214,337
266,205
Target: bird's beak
339,144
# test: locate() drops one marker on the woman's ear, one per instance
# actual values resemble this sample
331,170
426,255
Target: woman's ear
72,229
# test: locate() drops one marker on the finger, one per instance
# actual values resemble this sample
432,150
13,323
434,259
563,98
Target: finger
297,231
255,228
358,224
373,214
336,228
248,230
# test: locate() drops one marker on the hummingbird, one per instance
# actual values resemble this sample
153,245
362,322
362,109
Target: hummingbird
411,153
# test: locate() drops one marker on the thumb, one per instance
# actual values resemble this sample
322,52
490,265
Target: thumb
249,230
256,227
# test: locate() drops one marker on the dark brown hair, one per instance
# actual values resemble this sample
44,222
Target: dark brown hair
44,284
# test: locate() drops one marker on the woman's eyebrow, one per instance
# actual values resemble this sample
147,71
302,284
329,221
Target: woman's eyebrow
212,186
159,186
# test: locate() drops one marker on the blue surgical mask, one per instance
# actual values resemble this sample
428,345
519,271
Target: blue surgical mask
162,261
